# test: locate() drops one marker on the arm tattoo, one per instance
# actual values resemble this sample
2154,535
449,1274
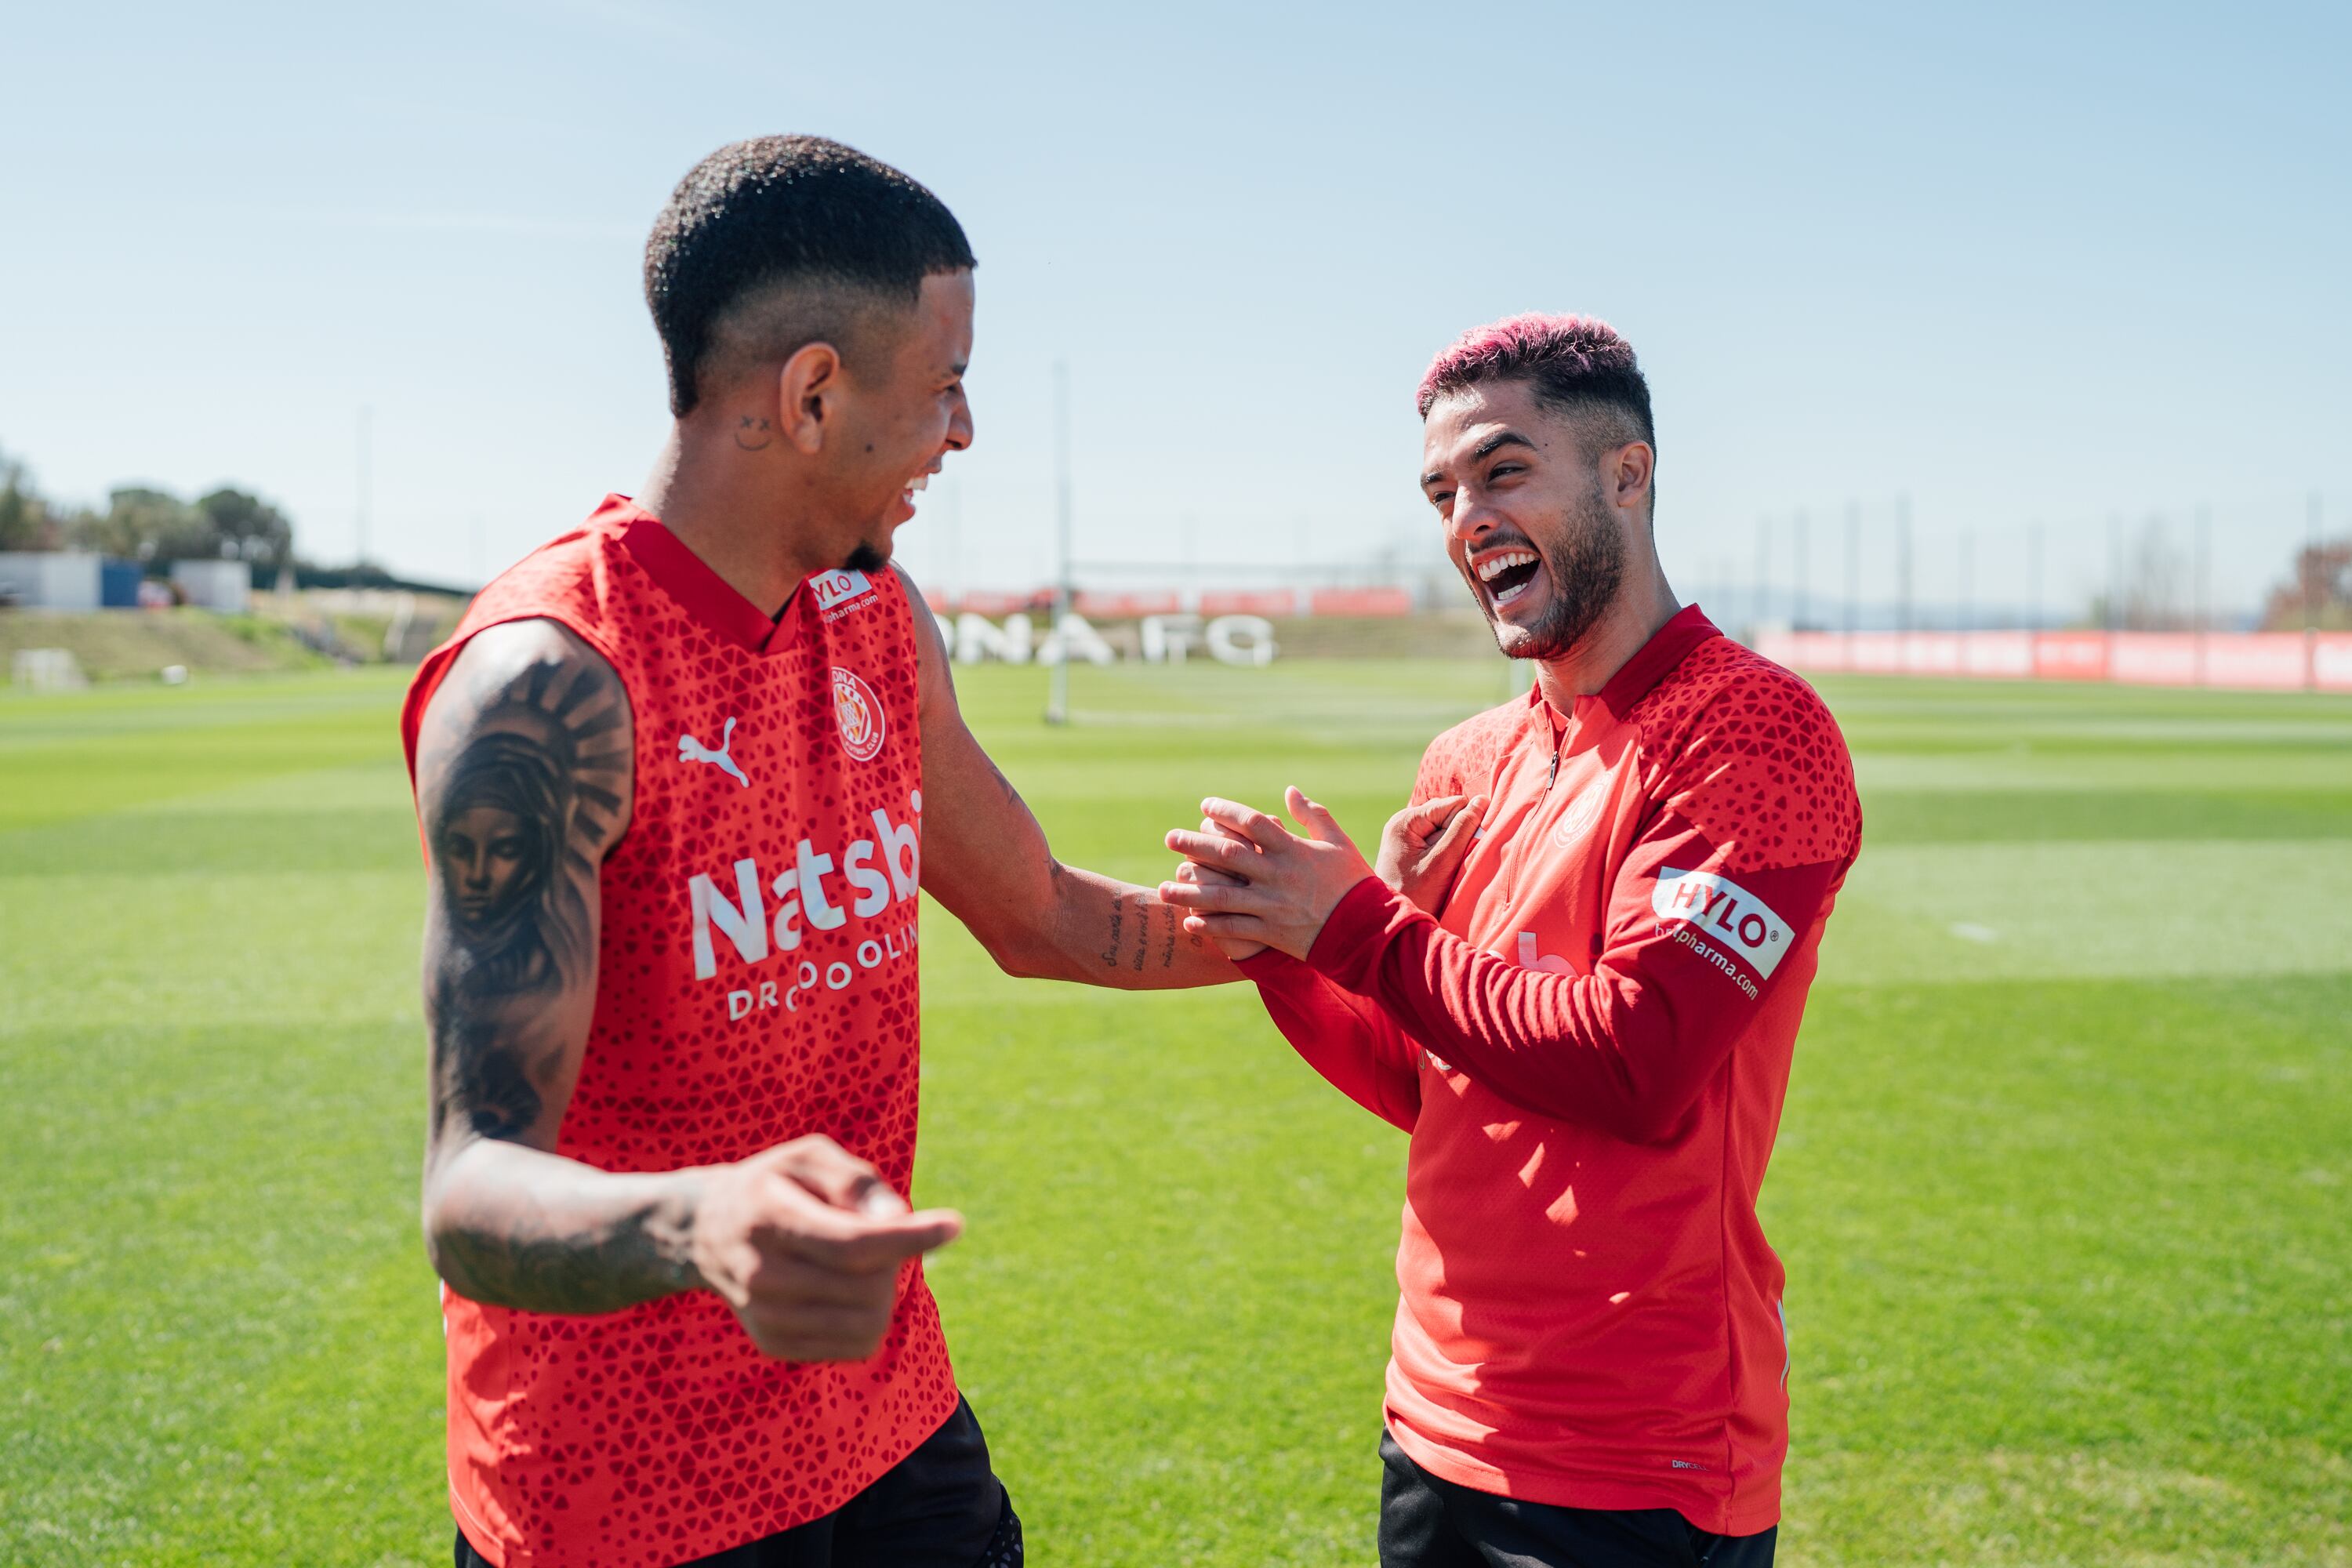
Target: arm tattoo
588,1258
532,789
1117,919
1114,948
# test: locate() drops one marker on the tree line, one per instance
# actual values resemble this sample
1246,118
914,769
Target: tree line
2319,594
146,525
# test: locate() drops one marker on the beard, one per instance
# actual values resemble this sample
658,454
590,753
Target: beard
1586,568
867,558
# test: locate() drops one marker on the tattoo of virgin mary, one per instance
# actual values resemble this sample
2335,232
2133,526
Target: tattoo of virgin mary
523,807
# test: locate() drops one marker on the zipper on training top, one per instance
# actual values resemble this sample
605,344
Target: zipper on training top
1510,864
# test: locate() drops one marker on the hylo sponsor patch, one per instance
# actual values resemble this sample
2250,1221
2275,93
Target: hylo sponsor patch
835,590
1734,919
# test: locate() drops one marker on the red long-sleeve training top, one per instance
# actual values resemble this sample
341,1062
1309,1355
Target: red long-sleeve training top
1590,1045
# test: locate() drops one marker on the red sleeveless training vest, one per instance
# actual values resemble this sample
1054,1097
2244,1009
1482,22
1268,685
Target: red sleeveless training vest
756,982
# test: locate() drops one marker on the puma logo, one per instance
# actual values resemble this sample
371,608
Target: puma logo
690,750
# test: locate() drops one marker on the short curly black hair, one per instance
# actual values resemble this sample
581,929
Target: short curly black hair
801,212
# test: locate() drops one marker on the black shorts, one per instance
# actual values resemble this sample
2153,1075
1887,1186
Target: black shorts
939,1507
1429,1522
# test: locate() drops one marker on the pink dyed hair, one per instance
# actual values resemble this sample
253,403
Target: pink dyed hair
1571,359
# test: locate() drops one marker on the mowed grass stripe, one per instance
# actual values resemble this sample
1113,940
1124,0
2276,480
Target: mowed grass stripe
210,947
1952,913
1994,764
74,755
163,843
1953,815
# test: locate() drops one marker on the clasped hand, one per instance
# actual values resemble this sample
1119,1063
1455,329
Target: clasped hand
1251,883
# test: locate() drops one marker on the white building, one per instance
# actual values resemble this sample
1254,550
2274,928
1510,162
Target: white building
51,580
225,585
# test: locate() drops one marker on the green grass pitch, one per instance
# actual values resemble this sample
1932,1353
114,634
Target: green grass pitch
2064,1187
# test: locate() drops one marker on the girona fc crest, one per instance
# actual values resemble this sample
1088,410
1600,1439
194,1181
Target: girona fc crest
859,713
1577,819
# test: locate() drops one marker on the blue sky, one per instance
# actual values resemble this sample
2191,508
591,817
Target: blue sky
2018,263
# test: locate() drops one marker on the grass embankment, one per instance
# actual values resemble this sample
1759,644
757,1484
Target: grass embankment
122,645
310,632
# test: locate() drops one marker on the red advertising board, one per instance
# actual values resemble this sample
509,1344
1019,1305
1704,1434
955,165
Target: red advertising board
2070,655
1875,653
1381,601
1934,652
1126,606
1272,602
2266,661
2153,658
1997,655
2261,661
2331,661
1807,651
993,604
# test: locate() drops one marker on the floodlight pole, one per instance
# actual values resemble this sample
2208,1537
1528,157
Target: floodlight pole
2033,572
1852,566
1804,576
1968,578
2312,586
953,575
2115,577
2203,589
2311,582
1057,703
367,416
1903,562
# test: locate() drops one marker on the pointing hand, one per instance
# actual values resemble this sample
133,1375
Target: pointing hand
805,1242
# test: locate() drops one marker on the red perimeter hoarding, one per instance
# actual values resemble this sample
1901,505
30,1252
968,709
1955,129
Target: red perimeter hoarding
2253,661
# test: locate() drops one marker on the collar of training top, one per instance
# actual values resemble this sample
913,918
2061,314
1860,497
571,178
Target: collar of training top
1667,646
700,591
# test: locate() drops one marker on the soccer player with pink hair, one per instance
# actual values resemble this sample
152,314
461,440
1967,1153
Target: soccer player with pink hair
1574,977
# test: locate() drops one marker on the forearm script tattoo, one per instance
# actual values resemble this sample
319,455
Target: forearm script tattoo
1151,947
520,803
